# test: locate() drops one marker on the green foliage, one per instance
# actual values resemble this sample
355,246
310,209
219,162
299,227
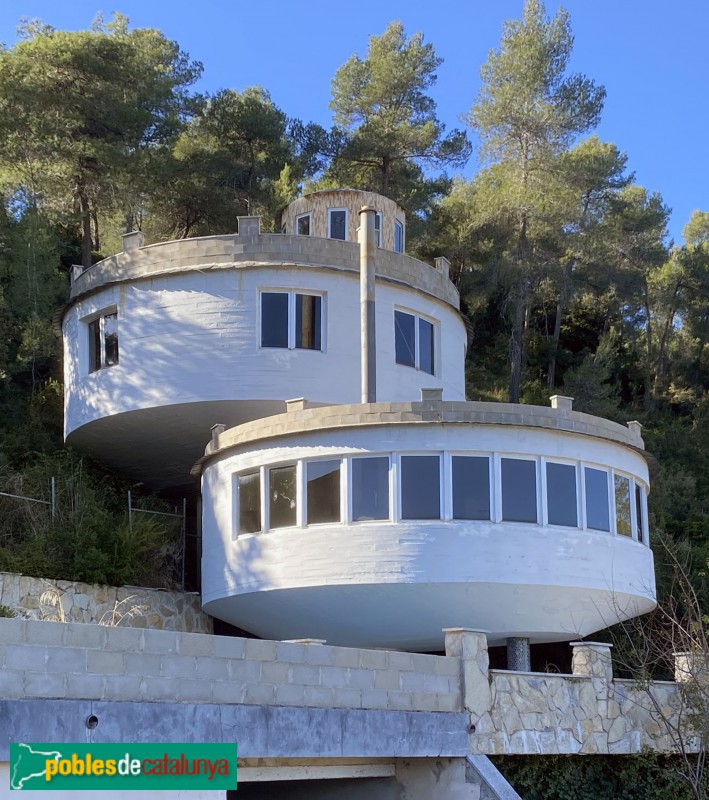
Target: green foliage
6,612
594,777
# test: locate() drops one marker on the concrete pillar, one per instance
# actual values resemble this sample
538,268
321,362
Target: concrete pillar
470,646
518,654
133,240
592,659
562,403
367,249
443,265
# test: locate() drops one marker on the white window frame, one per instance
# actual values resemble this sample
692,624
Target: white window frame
348,489
347,223
399,225
448,482
609,491
537,486
266,496
309,215
100,317
417,344
380,229
291,317
304,501
236,531
545,499
399,486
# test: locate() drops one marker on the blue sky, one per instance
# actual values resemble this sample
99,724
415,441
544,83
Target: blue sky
651,55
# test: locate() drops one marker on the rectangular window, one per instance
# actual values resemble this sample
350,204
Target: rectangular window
622,505
103,341
519,490
561,495
370,488
471,487
308,315
378,228
323,479
420,487
302,225
249,499
282,496
414,341
639,515
597,511
337,223
398,237
291,320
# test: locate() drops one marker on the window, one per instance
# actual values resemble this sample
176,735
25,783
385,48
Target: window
420,487
622,505
370,488
639,515
282,496
248,487
337,223
323,480
471,487
597,511
519,490
103,341
302,225
378,228
561,495
398,237
414,341
291,320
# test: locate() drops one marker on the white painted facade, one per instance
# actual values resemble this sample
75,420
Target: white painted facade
398,583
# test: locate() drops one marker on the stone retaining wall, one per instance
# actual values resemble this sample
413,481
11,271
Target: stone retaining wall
45,659
125,606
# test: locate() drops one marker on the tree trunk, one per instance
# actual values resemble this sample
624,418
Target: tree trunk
551,368
94,218
516,342
86,243
649,399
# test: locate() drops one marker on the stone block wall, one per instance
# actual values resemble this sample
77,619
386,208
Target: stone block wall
52,660
125,606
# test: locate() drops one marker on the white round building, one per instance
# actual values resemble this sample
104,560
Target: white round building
373,523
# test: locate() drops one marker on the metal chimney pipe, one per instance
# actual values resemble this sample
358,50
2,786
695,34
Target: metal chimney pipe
367,247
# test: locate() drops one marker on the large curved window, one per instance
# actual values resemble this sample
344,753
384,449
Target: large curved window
561,494
519,490
282,497
323,479
420,487
597,508
471,487
370,488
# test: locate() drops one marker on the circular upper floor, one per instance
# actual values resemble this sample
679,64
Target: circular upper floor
334,214
519,520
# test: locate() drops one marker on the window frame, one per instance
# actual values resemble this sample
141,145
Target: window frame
417,340
237,533
399,511
304,493
391,486
100,318
347,224
448,481
378,231
298,217
292,316
610,497
399,226
499,456
544,488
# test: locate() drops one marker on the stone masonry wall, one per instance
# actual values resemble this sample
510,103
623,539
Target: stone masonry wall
125,606
53,660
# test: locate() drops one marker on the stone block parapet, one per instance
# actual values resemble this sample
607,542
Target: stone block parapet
74,661
124,606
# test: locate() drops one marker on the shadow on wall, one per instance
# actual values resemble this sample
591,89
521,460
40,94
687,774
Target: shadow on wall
352,789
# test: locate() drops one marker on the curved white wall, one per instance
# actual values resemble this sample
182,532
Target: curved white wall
398,583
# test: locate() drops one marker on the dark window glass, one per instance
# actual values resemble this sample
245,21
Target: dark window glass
426,346
370,488
471,487
622,505
110,334
639,512
249,494
519,490
378,229
398,237
323,479
405,338
303,225
282,497
420,487
561,495
308,314
597,512
338,225
274,319
94,345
